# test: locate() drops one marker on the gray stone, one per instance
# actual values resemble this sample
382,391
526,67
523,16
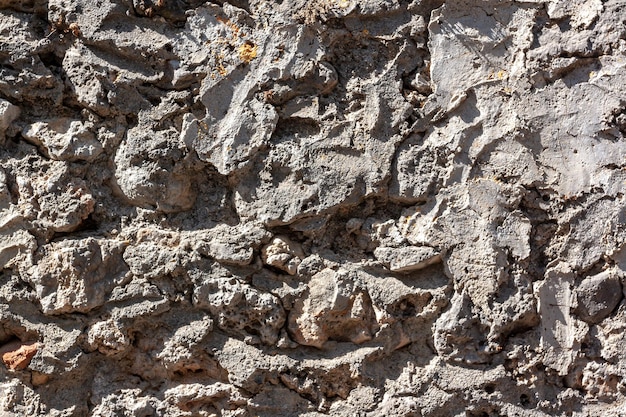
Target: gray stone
598,295
77,275
8,113
283,254
161,181
312,208
64,139
407,259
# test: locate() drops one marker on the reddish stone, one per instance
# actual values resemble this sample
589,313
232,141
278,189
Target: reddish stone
20,358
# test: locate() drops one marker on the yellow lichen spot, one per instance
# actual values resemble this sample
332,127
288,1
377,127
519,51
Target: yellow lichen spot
247,52
221,70
501,74
592,74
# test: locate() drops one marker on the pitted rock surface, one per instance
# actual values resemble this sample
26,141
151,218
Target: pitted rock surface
312,208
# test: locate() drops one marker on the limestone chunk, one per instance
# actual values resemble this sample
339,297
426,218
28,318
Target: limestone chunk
59,350
108,337
8,113
283,254
241,309
459,333
594,232
231,245
126,402
334,309
408,258
180,352
15,245
17,398
414,171
602,380
151,171
514,233
185,394
190,398
155,253
59,203
231,254
561,332
598,295
64,139
77,275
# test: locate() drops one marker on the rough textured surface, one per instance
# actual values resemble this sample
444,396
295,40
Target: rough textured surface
305,208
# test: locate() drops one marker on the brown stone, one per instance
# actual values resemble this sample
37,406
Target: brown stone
19,358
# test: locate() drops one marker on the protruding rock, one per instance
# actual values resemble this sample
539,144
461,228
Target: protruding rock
65,139
151,171
334,309
231,245
598,295
408,258
77,275
60,203
181,351
283,254
241,309
14,246
17,356
8,113
108,337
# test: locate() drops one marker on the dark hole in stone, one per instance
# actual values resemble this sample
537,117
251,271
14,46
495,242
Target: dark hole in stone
524,400
51,59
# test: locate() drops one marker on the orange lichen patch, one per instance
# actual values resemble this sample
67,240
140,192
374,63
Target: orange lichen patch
268,96
233,27
73,27
20,358
247,52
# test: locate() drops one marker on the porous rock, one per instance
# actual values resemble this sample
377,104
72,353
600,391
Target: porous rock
8,113
283,254
309,208
77,275
64,139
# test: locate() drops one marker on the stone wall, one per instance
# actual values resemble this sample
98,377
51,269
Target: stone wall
305,208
